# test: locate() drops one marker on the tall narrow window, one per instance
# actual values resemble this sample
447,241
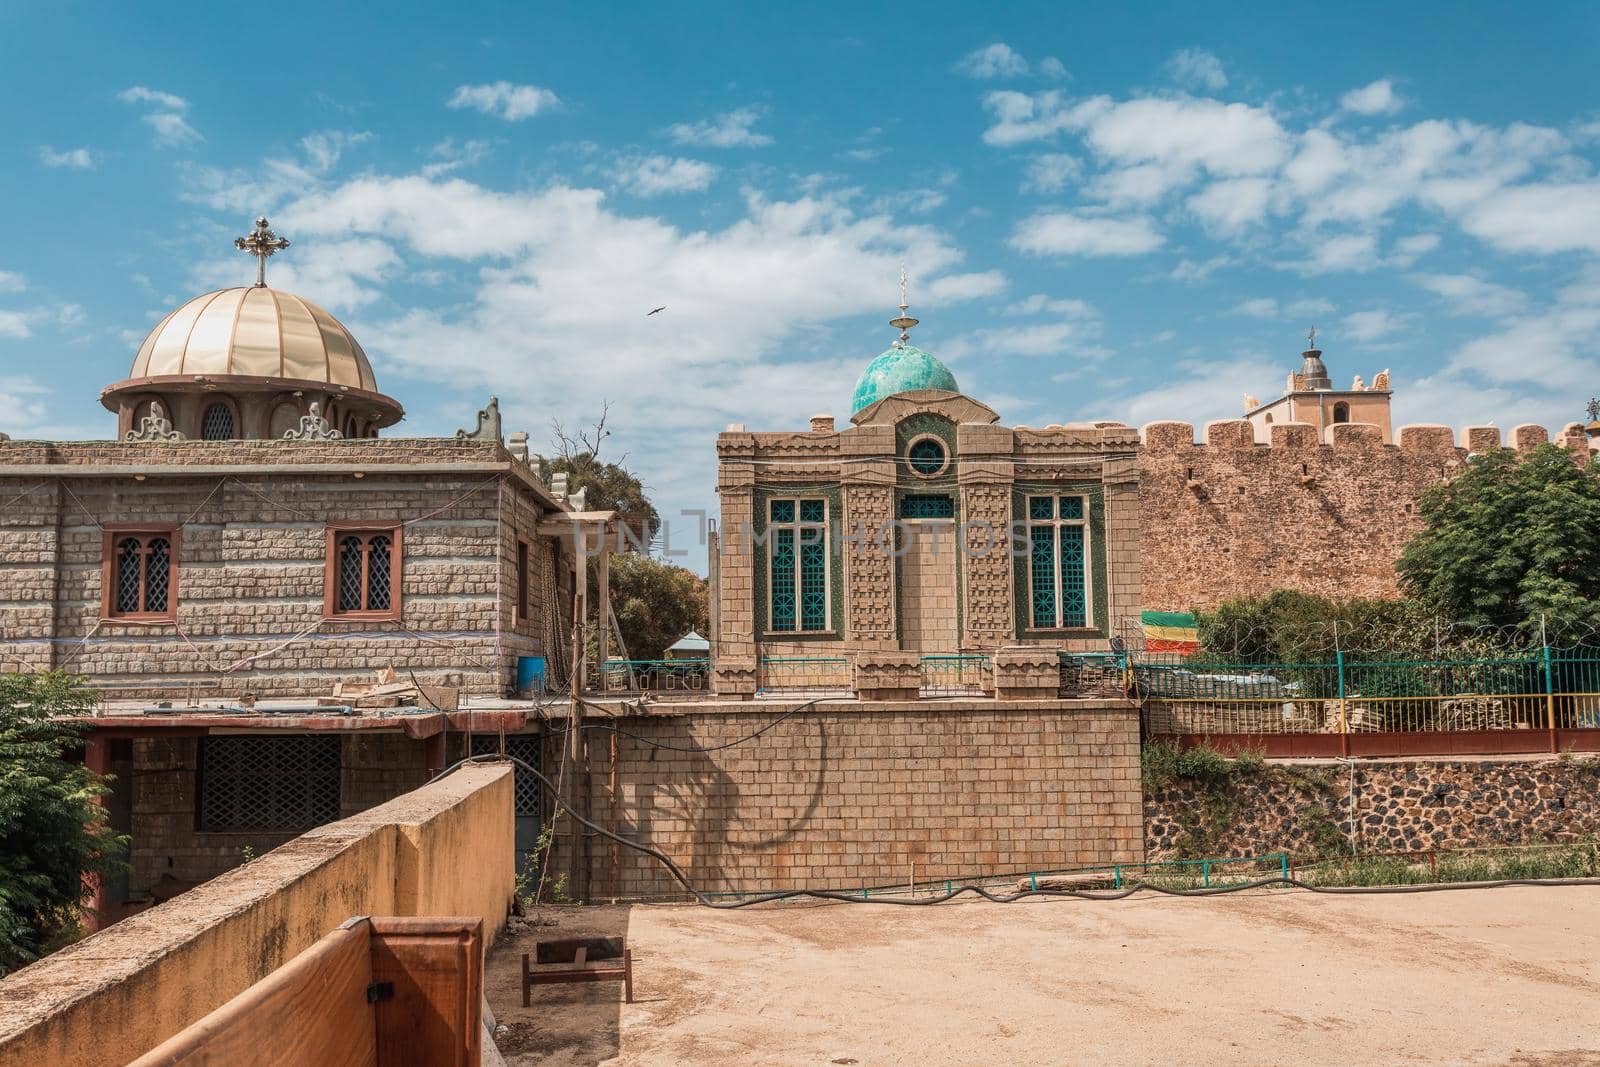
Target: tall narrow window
797,565
139,574
1341,412
1058,563
217,423
522,580
363,573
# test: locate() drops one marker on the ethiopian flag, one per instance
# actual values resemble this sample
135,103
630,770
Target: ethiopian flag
1170,631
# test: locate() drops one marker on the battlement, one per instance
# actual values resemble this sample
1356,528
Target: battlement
1422,439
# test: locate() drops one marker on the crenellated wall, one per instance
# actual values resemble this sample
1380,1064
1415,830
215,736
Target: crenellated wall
1231,517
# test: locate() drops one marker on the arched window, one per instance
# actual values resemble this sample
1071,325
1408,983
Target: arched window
217,423
349,427
1269,416
285,417
363,573
138,574
1341,412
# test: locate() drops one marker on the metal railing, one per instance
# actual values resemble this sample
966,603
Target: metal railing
654,676
805,674
956,674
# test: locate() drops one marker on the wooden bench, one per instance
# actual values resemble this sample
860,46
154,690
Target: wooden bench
561,962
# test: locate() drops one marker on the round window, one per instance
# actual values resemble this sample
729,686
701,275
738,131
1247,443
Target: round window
927,456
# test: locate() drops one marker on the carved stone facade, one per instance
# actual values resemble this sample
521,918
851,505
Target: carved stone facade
919,530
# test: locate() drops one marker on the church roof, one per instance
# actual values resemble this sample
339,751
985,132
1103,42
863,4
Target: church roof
254,331
903,368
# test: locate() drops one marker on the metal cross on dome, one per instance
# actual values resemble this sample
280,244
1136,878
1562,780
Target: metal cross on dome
905,321
261,243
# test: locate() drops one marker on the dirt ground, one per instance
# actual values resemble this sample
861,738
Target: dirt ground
1504,976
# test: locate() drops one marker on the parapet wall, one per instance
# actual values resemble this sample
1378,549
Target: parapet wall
1231,517
445,849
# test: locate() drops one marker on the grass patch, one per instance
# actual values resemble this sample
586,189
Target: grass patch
1163,763
1578,860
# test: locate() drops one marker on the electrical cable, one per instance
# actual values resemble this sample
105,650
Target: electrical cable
848,897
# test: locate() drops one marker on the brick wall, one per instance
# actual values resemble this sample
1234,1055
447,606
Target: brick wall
251,562
850,798
1230,517
165,844
929,611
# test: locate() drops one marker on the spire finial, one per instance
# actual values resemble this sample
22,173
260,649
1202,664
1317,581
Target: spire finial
904,322
261,242
1594,409
1311,338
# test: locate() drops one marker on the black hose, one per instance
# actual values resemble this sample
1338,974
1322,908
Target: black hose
848,897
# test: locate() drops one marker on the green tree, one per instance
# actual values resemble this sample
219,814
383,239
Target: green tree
656,603
1509,541
611,486
52,832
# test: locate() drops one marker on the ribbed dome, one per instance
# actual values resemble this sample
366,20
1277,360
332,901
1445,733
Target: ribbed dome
258,332
901,369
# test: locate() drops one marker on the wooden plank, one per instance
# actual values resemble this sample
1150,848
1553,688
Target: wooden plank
564,951
313,1009
434,1018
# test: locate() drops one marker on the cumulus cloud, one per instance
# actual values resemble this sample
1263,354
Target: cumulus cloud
164,113
1050,173
1064,233
1378,98
12,282
14,324
74,158
1198,69
1465,294
1539,218
659,175
732,129
504,100
998,60
1375,325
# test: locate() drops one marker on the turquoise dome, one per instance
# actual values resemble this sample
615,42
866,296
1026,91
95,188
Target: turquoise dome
900,370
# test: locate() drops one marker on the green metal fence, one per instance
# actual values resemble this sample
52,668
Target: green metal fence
655,675
956,674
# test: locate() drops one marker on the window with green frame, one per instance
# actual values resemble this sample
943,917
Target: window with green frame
797,565
1058,564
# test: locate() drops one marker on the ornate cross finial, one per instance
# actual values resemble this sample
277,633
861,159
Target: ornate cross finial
904,322
1594,409
261,243
1311,337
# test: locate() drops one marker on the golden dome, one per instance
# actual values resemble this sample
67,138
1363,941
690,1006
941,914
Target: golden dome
256,332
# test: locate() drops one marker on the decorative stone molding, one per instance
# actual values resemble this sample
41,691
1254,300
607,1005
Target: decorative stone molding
313,427
517,445
488,428
1027,673
733,680
154,426
888,675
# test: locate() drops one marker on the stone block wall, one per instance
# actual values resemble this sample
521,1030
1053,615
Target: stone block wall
252,519
1400,805
844,797
1231,517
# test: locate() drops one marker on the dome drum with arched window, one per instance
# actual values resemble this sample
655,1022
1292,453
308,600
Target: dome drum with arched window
248,363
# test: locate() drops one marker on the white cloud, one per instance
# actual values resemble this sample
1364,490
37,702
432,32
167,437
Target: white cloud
12,282
75,158
14,324
1198,391
503,99
1260,308
1408,250
1062,233
1341,252
324,148
1266,307
953,288
657,175
449,156
1192,272
1539,218
1368,326
1379,98
1230,206
1050,173
1469,295
910,201
1198,69
164,114
1040,303
1051,67
997,60
729,130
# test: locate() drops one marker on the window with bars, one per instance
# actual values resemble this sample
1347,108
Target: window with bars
797,565
216,424
363,573
927,456
267,783
1058,564
139,574
927,506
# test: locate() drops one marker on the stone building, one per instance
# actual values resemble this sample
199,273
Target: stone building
1309,397
924,528
250,547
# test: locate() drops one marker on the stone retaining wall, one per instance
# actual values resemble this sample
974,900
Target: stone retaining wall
1304,808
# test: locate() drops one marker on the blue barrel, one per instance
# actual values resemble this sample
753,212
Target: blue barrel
530,675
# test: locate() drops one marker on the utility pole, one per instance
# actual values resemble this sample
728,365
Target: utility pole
577,799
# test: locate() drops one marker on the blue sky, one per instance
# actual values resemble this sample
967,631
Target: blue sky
1106,211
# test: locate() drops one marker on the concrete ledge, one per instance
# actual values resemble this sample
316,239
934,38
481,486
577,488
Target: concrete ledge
445,849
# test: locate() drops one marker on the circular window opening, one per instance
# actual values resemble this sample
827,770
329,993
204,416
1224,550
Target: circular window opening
927,456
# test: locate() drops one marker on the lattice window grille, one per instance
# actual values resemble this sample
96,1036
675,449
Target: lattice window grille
157,574
926,456
142,573
217,423
526,787
277,784
797,566
927,506
365,571
378,573
1058,563
350,574
129,562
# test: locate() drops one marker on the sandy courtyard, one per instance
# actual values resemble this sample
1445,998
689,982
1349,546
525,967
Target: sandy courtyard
1506,976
